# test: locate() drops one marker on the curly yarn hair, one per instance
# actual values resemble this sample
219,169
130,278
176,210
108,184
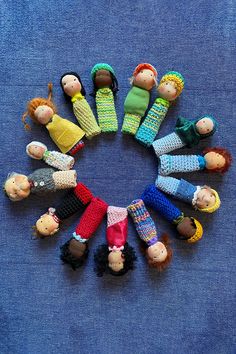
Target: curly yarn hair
71,260
224,153
160,266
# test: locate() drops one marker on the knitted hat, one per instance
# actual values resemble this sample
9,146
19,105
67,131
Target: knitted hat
214,207
198,233
144,66
176,77
101,66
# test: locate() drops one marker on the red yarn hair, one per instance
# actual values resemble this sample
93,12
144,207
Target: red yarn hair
161,265
225,154
144,66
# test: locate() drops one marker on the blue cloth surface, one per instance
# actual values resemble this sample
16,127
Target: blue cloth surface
47,308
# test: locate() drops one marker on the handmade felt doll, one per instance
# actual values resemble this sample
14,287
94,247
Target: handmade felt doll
158,251
170,87
187,133
65,134
73,89
136,103
188,228
39,151
202,198
117,257
74,201
105,88
75,251
214,159
41,181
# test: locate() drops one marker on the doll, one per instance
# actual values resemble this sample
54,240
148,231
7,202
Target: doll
39,151
214,159
75,251
105,88
136,103
65,134
187,133
41,181
73,89
188,228
117,257
74,201
170,87
202,198
158,251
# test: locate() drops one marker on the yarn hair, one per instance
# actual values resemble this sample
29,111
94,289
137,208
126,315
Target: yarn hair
68,258
224,153
160,266
114,86
83,92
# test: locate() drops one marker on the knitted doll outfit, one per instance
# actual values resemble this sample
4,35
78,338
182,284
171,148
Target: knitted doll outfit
180,163
117,227
85,116
143,222
58,160
168,143
65,134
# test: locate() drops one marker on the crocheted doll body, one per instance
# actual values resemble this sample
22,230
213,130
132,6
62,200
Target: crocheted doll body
168,143
180,163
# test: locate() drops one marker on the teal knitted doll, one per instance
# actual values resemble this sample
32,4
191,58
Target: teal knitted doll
187,133
171,86
105,88
137,100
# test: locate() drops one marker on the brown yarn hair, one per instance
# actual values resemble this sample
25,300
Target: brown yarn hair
35,103
160,266
224,153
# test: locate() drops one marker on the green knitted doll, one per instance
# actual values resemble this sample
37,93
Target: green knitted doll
105,88
137,100
73,89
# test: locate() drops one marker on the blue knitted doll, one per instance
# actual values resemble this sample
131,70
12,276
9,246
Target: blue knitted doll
203,198
188,228
171,86
187,133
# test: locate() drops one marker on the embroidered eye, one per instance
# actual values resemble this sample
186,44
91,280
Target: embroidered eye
166,83
74,79
208,130
64,83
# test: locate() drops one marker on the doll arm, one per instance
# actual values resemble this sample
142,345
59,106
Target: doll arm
58,160
151,124
107,118
65,179
180,163
167,144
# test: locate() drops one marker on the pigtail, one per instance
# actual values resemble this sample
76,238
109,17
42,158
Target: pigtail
26,125
50,86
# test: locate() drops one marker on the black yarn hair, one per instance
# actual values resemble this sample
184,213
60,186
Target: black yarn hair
114,86
83,92
71,260
101,260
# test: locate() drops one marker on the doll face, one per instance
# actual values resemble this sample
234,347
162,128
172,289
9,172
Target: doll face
116,261
36,151
17,187
46,225
186,228
77,248
71,85
204,126
205,198
167,90
157,252
43,114
103,79
145,79
214,160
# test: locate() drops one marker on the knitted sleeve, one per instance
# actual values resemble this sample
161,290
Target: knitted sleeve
157,200
58,160
151,124
107,118
167,144
117,226
143,222
168,185
178,163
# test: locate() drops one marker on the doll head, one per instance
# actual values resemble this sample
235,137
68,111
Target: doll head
171,85
103,76
40,109
115,262
74,253
207,200
206,126
159,254
47,224
71,84
189,229
144,76
217,159
16,187
36,150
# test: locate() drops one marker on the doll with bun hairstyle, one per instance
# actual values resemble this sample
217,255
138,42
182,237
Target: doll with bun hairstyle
65,134
136,103
74,91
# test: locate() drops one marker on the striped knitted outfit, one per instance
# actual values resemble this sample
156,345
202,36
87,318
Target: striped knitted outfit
180,163
167,144
117,227
143,222
151,124
106,111
58,160
85,116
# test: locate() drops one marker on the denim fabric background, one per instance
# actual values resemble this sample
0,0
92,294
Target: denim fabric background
47,308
